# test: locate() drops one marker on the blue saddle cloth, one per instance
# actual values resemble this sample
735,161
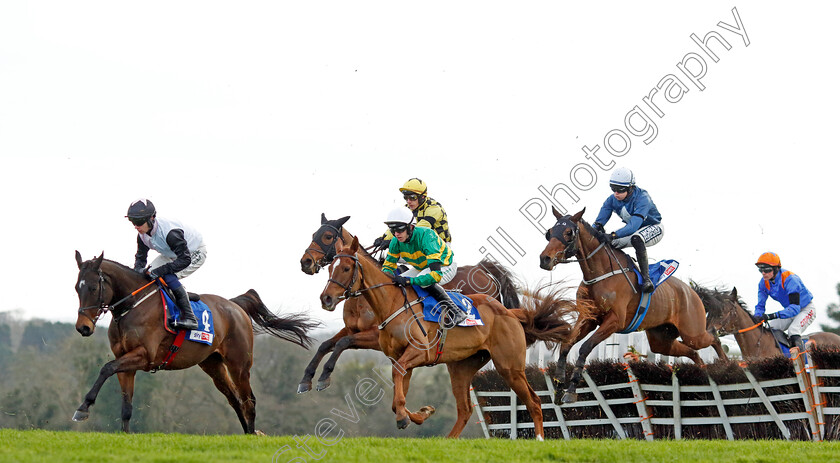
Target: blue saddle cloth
431,312
205,332
658,273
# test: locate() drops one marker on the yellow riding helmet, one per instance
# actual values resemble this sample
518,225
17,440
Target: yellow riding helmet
414,185
769,258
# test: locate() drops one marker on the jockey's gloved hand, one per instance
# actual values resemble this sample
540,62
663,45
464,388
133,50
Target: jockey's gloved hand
758,318
770,316
610,237
597,226
380,243
400,280
150,273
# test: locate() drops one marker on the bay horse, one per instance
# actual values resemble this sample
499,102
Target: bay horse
728,314
139,340
359,332
410,342
607,300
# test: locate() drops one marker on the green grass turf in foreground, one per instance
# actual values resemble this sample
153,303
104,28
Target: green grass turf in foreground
47,446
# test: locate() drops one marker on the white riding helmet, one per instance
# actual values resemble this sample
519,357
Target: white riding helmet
400,215
623,177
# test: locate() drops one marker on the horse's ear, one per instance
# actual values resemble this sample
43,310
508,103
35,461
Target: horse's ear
323,219
576,218
556,213
354,246
98,260
734,292
342,220
79,260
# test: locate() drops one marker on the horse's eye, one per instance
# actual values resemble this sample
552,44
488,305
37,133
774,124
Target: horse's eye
328,237
347,268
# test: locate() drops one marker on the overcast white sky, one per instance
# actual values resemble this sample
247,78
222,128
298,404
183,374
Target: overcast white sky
249,119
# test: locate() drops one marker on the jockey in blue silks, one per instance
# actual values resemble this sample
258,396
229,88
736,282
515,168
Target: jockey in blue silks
643,222
787,289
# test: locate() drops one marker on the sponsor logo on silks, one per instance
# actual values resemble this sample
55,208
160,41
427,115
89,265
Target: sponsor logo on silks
201,336
671,269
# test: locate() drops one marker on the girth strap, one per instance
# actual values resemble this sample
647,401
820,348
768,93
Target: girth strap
605,276
398,312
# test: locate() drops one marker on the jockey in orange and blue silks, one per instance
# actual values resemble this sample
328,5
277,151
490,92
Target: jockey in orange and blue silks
643,222
787,289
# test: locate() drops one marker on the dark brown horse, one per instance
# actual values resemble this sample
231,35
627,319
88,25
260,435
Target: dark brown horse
607,300
139,340
728,314
359,330
410,342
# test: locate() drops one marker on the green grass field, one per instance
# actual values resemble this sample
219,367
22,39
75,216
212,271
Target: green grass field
47,446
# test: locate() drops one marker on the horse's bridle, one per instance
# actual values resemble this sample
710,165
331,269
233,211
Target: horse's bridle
327,250
103,307
571,246
349,293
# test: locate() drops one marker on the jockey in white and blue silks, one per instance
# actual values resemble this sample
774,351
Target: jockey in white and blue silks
182,252
643,222
786,288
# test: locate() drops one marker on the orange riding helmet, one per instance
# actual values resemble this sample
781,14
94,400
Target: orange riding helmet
769,258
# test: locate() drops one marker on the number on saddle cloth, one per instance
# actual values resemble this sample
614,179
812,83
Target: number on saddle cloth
205,332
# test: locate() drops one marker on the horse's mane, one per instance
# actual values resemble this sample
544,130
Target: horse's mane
602,238
714,299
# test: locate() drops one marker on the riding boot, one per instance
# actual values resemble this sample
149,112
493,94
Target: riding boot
451,315
796,340
187,320
641,257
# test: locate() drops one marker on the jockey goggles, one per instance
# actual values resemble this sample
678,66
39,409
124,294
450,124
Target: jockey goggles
138,221
412,197
398,228
619,188
765,268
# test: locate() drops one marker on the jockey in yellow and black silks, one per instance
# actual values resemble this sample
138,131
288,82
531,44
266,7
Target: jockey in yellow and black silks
427,212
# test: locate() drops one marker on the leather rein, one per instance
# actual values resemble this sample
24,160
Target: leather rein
104,307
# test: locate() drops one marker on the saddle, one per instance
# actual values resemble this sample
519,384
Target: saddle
784,342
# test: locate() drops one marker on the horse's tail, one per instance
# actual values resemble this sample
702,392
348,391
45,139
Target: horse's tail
292,328
546,317
507,282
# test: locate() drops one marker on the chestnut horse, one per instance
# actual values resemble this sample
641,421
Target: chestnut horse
728,314
359,330
675,310
410,342
139,340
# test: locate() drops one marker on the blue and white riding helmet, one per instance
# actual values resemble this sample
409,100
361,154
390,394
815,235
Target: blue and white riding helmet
623,177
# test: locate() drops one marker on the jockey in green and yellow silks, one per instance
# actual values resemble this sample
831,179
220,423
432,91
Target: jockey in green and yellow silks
431,261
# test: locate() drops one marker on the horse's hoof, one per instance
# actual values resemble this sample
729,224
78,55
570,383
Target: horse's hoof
80,416
257,432
570,397
304,387
403,423
323,384
428,410
540,438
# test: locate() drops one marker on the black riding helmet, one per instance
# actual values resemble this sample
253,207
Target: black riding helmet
141,211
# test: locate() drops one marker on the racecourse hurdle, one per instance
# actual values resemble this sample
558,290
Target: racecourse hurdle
792,408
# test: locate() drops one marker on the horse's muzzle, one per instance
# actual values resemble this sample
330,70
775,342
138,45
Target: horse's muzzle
308,266
547,263
84,330
328,302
